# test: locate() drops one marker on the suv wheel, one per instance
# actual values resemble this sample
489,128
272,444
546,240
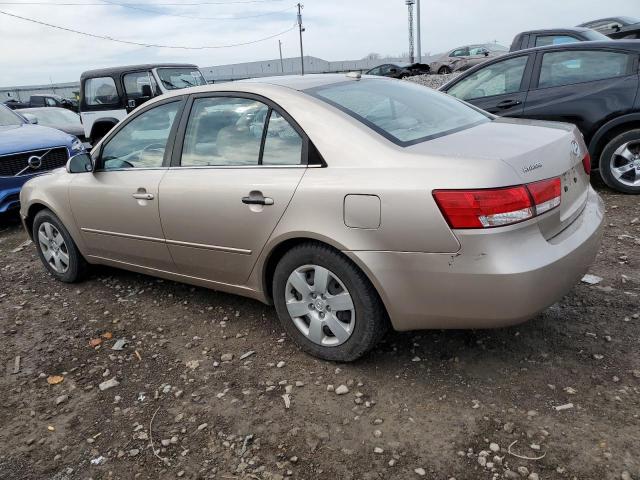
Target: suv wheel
444,70
620,162
327,304
57,249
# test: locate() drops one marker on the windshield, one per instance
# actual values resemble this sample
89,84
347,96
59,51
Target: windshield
52,117
175,78
8,118
595,36
403,112
629,20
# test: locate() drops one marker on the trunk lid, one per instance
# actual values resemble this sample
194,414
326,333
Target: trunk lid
532,150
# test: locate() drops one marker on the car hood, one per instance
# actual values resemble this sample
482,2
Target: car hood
20,138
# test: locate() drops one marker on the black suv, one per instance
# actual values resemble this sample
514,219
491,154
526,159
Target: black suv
594,85
555,36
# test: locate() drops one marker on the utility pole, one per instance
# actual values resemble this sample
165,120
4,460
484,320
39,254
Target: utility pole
418,38
300,30
281,63
410,4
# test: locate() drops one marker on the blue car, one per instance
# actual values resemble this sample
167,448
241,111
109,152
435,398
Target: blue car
27,150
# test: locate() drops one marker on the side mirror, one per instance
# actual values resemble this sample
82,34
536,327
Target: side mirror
146,91
30,118
486,53
80,163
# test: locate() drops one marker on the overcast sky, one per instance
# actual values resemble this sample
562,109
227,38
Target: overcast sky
335,30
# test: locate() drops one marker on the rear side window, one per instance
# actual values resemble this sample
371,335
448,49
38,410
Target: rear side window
499,78
403,112
578,66
544,40
100,91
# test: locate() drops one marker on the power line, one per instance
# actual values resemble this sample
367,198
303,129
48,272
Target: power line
140,44
160,4
160,12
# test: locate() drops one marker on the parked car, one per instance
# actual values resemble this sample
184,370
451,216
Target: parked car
108,95
463,58
399,70
14,104
59,118
51,100
557,36
616,27
436,216
593,85
28,150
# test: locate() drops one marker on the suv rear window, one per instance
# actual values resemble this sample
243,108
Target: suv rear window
401,111
100,91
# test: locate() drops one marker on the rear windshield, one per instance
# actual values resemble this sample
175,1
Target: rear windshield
401,111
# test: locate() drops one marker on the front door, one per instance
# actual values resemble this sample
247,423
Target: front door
499,88
116,207
236,172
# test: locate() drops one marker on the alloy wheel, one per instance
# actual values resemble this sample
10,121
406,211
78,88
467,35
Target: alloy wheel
625,164
320,305
53,247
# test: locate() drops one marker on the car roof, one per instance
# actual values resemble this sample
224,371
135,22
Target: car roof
107,72
604,19
617,44
303,82
579,29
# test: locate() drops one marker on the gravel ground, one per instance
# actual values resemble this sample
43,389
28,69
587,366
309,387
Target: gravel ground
433,81
126,376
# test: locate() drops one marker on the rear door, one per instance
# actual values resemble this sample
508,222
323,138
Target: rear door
499,87
235,168
585,87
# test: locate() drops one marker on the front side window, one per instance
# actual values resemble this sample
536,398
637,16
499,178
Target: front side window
141,143
544,40
402,112
175,78
578,66
50,102
137,85
499,78
461,52
101,91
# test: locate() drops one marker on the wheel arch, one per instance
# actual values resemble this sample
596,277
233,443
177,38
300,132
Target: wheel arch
37,206
609,131
281,247
102,123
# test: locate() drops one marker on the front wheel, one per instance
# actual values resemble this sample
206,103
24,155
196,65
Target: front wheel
56,248
444,71
620,162
326,304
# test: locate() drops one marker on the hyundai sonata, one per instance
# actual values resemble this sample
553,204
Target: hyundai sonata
353,204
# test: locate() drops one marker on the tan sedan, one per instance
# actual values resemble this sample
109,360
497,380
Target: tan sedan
352,204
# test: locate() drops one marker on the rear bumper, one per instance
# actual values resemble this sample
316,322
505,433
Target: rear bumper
497,278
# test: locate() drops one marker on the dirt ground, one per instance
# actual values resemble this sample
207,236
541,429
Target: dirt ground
435,404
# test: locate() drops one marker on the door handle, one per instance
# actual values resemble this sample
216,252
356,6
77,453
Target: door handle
508,104
257,201
143,196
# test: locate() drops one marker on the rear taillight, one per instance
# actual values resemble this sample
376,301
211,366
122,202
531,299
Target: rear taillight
586,163
497,207
545,194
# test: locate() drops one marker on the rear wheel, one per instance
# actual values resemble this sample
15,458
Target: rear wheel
444,70
57,249
620,162
327,304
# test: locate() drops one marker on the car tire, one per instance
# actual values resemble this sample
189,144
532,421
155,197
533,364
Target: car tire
444,71
622,151
56,249
359,328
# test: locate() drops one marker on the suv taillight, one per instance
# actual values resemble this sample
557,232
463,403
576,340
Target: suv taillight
586,163
499,206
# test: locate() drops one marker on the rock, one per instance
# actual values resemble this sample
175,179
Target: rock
165,442
202,426
523,471
510,474
508,427
566,406
378,450
433,81
377,433
62,399
625,476
494,447
280,364
134,452
106,385
342,390
247,355
119,345
192,364
591,279
226,357
330,388
533,476
420,471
